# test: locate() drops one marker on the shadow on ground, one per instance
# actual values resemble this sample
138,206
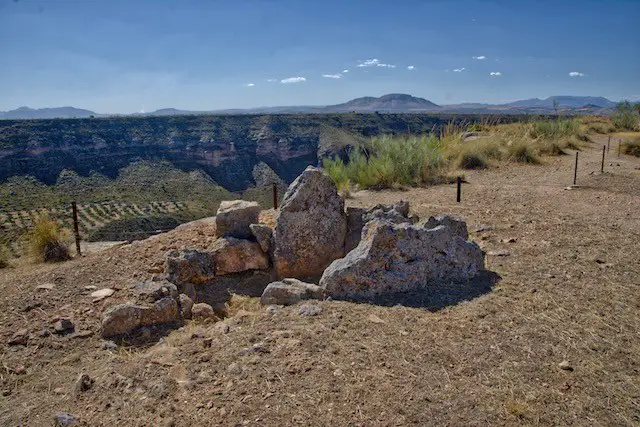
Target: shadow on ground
434,297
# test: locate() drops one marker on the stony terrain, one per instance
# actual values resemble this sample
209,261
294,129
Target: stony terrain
553,342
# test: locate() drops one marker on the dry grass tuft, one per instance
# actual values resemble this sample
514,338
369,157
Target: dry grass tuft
239,303
521,152
632,148
46,241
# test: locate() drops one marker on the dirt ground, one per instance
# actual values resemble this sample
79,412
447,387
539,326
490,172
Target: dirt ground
569,292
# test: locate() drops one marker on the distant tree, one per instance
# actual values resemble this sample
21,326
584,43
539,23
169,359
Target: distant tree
555,105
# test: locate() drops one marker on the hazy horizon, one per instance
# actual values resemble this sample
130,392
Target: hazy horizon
121,57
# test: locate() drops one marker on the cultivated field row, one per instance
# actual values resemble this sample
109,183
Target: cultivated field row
90,216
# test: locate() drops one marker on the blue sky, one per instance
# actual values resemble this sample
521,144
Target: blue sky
125,56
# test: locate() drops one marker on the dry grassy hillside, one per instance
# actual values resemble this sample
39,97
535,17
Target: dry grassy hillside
554,342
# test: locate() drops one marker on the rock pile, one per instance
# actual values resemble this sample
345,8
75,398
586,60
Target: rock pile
358,254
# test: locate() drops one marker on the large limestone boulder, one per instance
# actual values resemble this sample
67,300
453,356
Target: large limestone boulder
235,216
189,266
290,291
311,226
233,255
402,257
357,217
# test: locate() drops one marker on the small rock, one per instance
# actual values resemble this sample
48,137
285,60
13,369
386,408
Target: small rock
290,291
102,294
90,288
482,228
109,345
499,253
565,365
273,309
64,419
63,326
255,348
186,305
203,311
19,370
46,286
58,390
81,334
509,240
6,392
374,319
83,383
309,310
19,338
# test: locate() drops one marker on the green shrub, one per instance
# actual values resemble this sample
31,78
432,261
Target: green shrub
388,161
625,117
522,152
632,148
555,129
46,241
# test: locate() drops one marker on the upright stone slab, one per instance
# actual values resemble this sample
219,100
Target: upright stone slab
311,226
234,218
402,257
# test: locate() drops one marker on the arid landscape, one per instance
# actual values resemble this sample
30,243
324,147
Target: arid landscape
553,342
302,213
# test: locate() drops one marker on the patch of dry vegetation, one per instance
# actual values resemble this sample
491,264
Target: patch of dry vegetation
47,241
632,147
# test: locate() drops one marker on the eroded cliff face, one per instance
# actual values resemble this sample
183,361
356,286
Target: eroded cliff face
227,148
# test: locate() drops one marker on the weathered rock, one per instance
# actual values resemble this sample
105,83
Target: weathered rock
64,419
232,255
235,216
457,225
101,294
186,304
307,310
401,257
63,326
311,226
397,213
165,310
19,338
262,233
121,319
203,311
152,291
289,292
189,266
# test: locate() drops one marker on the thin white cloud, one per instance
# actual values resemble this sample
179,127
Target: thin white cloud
345,71
481,57
576,74
411,67
272,80
294,80
495,73
332,76
250,84
374,63
459,70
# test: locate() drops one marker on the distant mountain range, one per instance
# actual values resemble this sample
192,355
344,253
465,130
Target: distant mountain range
392,103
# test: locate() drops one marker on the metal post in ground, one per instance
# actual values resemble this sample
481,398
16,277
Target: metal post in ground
575,170
275,196
459,192
604,148
76,229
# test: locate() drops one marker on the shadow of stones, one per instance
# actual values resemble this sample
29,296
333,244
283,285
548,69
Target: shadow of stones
435,297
